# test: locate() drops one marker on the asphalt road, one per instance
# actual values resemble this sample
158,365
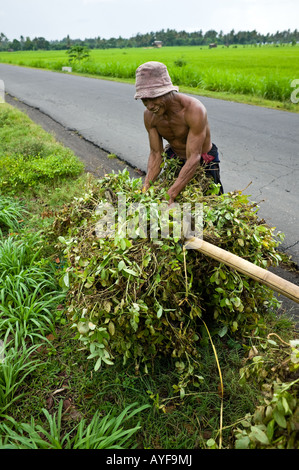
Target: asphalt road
259,147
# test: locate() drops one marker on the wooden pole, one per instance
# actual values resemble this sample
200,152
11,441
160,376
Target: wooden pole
264,276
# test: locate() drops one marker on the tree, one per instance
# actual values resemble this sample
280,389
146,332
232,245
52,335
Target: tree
28,46
77,53
40,43
16,45
22,41
3,42
210,36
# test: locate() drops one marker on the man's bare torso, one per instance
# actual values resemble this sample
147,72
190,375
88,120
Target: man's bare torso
174,126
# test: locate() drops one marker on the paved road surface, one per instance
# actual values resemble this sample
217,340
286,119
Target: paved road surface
257,145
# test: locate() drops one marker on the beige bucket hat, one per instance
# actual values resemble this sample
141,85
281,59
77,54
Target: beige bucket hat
153,80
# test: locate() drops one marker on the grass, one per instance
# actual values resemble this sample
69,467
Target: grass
30,155
11,212
50,394
258,75
99,433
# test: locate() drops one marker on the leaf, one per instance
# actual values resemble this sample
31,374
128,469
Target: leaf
98,364
121,265
242,443
236,301
111,328
130,271
83,327
270,429
279,418
107,361
222,332
285,405
66,279
160,311
222,274
211,443
259,435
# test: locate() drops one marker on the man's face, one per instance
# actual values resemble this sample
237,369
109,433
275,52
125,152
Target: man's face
156,106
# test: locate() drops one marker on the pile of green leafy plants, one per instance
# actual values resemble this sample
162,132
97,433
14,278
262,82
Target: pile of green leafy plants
273,364
140,297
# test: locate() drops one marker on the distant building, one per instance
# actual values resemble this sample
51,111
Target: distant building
157,43
213,44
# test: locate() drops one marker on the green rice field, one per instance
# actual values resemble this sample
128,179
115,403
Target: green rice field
250,72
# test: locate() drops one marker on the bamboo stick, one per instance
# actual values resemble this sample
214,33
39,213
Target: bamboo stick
264,276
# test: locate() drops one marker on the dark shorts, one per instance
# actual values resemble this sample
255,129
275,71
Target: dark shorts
210,163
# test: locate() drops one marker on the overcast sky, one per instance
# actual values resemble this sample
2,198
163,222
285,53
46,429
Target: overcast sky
55,19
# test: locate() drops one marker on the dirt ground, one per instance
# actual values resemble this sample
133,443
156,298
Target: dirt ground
98,163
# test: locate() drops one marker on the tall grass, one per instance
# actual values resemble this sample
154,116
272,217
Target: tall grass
265,72
17,254
11,213
103,432
15,365
28,288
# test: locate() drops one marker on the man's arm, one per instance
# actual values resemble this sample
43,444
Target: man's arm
155,156
197,122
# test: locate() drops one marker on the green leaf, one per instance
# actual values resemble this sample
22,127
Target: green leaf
121,265
236,301
223,331
285,405
107,361
242,443
222,274
259,435
211,443
270,429
83,327
111,328
98,364
159,312
66,279
130,271
279,418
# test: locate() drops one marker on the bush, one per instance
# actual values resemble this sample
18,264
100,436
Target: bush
29,155
19,171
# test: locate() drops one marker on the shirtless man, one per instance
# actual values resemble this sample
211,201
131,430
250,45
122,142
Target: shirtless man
181,121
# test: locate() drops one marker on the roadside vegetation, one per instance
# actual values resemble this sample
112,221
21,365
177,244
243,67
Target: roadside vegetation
261,75
114,342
